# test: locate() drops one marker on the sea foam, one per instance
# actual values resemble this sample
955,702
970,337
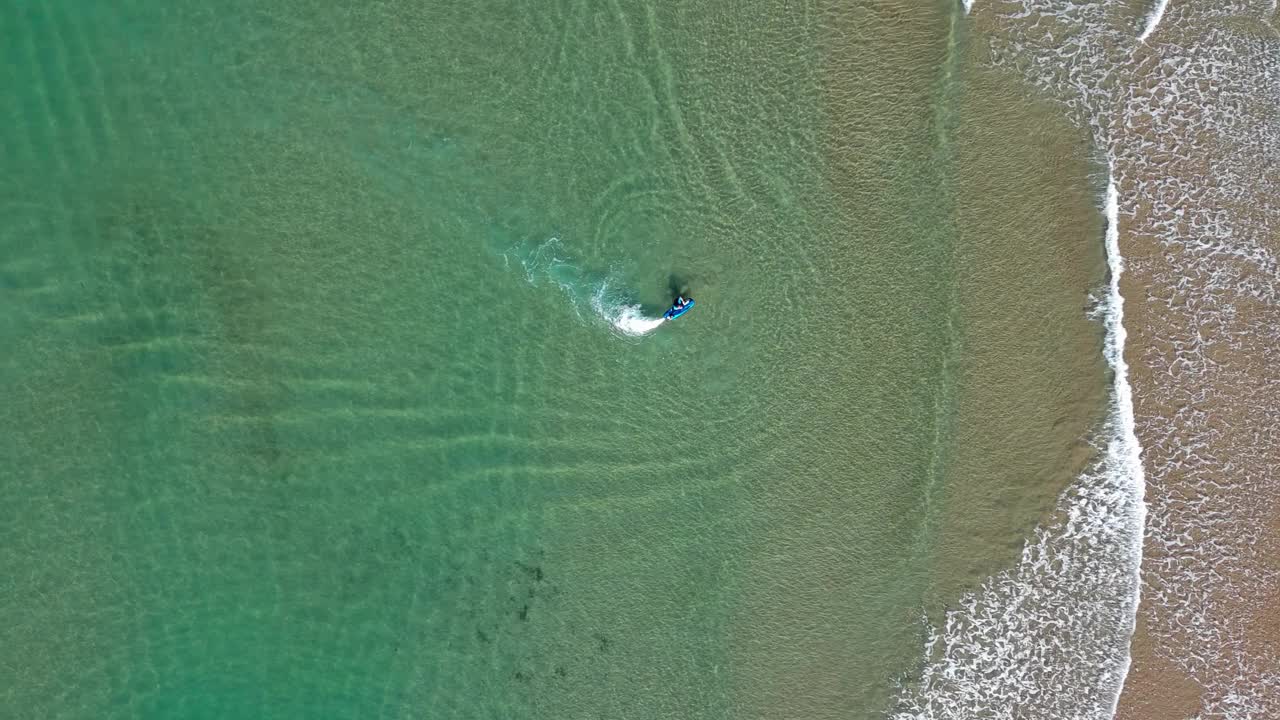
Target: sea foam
1124,452
1153,19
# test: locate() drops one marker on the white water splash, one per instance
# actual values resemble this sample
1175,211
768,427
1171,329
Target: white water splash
627,318
967,5
551,261
1153,19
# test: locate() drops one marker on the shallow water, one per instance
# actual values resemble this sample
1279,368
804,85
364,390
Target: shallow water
329,395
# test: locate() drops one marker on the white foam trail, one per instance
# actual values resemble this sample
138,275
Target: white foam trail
627,319
550,261
967,4
1153,18
630,321
1124,452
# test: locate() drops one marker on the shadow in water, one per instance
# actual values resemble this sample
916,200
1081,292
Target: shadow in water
677,285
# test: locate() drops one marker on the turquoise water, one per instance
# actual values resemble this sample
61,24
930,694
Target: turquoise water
318,401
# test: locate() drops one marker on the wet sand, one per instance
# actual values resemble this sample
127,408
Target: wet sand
1205,384
1209,624
1200,241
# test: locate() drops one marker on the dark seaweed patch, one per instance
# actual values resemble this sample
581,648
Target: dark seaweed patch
533,571
602,642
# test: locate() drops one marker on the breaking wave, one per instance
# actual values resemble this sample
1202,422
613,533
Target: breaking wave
1049,638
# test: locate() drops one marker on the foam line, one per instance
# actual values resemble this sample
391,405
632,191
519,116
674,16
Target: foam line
1153,18
1124,451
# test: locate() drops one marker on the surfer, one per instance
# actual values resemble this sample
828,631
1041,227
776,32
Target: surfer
681,306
